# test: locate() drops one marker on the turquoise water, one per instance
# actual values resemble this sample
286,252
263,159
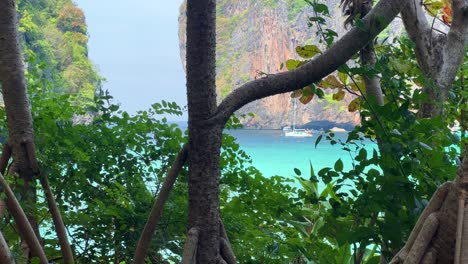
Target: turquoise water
274,154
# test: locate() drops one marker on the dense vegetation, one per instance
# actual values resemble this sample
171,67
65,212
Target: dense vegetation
54,33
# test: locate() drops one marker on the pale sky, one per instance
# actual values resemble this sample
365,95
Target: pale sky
135,45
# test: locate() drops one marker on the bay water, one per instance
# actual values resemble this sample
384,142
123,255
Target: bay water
274,154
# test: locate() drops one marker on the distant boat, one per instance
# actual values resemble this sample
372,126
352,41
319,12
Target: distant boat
337,129
294,132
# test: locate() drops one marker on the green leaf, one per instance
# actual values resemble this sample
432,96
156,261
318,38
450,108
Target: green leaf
339,165
330,82
424,145
343,77
307,51
354,105
293,64
297,171
317,141
339,95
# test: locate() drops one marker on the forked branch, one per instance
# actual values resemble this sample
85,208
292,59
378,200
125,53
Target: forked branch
375,21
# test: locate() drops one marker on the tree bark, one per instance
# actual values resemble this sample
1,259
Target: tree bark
204,140
19,119
19,122
439,56
206,120
5,254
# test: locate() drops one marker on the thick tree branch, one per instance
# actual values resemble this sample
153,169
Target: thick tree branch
419,30
153,219
454,49
379,17
26,231
368,59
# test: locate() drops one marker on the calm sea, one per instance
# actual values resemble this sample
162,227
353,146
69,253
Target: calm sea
274,154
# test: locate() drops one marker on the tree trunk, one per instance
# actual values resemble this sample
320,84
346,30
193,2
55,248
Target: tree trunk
19,119
204,140
21,141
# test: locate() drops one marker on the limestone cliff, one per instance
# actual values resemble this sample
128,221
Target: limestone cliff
258,36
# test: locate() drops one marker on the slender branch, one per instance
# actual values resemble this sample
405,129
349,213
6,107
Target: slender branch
58,221
54,211
153,219
379,17
5,253
24,227
6,155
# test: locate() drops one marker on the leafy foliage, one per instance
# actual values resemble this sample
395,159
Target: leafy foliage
55,33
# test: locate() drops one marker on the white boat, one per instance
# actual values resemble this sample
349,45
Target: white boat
298,133
294,132
337,129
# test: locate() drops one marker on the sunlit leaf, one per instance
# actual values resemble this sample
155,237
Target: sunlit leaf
307,95
305,99
343,77
355,104
331,82
293,64
339,95
307,51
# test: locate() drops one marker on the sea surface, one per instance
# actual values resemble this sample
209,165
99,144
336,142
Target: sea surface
274,154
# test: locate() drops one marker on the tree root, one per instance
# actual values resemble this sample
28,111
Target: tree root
225,248
190,249
426,239
419,246
464,239
429,258
434,205
460,227
226,251
226,255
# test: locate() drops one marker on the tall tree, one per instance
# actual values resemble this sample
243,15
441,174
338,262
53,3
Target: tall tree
440,234
21,141
206,120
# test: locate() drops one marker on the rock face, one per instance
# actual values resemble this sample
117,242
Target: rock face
256,37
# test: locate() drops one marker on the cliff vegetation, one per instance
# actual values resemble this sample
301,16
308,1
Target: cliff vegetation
54,35
255,38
